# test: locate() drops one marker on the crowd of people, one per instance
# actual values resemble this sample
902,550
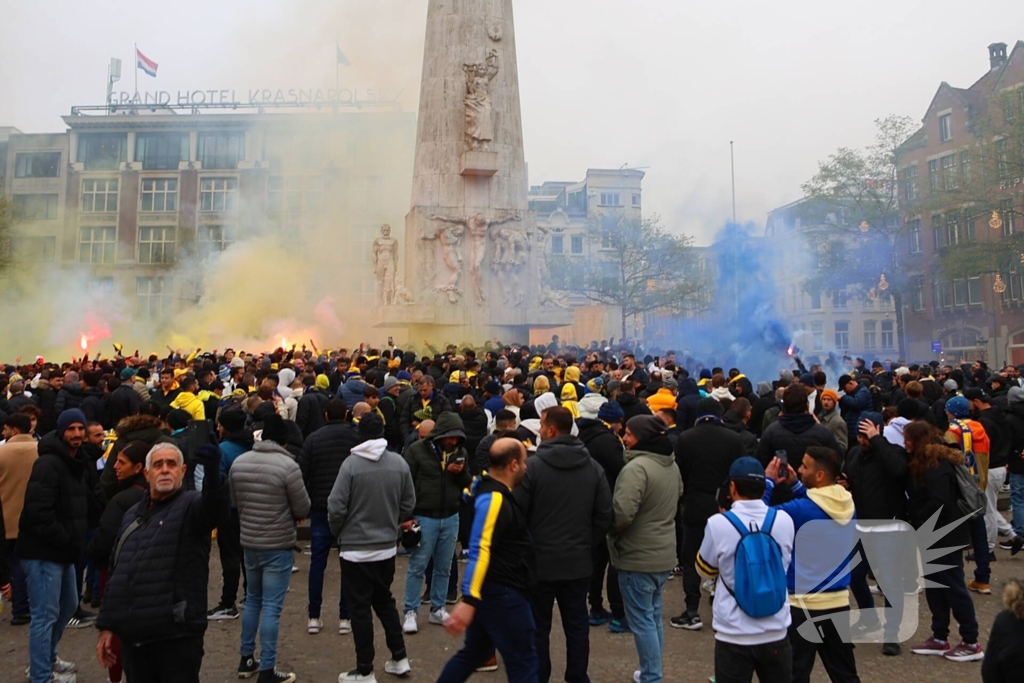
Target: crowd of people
545,475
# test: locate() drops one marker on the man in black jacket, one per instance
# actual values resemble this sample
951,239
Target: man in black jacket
993,419
428,397
876,473
123,401
51,539
156,595
704,455
322,456
795,430
309,416
568,504
1015,465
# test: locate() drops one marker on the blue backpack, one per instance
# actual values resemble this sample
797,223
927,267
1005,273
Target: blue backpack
760,576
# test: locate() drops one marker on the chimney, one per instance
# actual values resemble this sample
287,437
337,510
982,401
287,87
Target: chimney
996,55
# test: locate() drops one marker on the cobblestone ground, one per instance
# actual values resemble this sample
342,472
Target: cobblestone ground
689,656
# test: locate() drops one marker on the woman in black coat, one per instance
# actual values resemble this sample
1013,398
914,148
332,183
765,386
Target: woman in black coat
1004,656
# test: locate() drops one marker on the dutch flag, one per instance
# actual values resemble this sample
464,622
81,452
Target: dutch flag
145,63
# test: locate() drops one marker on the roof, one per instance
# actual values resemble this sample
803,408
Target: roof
991,80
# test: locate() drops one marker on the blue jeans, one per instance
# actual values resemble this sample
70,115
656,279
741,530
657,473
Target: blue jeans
321,540
268,573
641,596
437,540
1017,501
503,620
53,599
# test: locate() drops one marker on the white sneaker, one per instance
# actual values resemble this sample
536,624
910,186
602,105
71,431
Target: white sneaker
69,677
344,627
62,667
355,677
399,668
410,625
438,616
314,626
295,569
636,677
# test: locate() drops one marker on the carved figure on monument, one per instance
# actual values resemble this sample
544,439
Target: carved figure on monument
476,227
449,237
385,260
403,297
510,255
479,112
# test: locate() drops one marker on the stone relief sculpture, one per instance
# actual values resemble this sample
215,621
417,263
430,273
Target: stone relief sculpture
449,236
403,297
548,296
385,261
476,227
479,112
494,32
510,255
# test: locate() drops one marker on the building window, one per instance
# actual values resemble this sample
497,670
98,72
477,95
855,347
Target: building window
557,244
218,194
102,151
974,291
610,199
910,188
933,175
33,249
153,297
949,179
959,292
636,200
843,336
938,232
96,244
99,195
1006,208
817,336
888,335
918,292
576,244
914,228
156,244
965,166
37,165
159,194
221,150
214,239
295,193
161,151
100,287
816,300
1002,158
34,207
869,334
945,127
839,299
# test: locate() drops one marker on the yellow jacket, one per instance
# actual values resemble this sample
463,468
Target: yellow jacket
663,398
192,404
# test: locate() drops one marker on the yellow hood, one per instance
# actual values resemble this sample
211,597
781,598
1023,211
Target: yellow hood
835,501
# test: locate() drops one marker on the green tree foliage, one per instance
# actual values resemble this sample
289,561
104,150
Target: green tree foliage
634,264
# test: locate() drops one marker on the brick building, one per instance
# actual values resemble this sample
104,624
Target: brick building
952,202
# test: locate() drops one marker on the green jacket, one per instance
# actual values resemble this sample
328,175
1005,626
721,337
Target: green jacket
644,504
438,491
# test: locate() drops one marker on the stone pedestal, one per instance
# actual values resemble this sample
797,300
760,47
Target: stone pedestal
478,163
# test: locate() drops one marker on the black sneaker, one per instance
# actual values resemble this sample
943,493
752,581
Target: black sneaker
222,613
21,619
82,619
248,666
451,599
275,676
691,622
891,649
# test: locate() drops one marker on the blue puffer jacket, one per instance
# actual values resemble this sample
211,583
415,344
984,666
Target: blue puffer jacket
852,405
351,392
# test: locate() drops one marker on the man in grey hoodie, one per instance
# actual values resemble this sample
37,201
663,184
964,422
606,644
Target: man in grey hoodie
266,487
372,495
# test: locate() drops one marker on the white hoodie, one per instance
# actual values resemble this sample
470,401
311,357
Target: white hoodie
371,450
893,431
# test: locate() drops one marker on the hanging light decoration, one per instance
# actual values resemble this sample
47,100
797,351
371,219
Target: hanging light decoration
1022,258
864,226
995,222
998,286
883,284
872,294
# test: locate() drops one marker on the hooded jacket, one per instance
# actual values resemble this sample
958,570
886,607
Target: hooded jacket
644,505
604,447
663,399
834,423
267,489
820,552
438,403
351,392
1015,429
192,403
54,518
733,422
568,504
631,406
852,405
704,455
322,456
310,413
438,491
475,425
937,490
121,403
793,434
590,404
877,479
687,400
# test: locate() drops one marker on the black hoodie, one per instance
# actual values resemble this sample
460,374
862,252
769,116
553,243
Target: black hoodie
793,434
54,520
686,402
604,447
631,406
568,505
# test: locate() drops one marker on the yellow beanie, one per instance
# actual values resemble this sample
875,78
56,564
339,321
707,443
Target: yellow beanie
322,382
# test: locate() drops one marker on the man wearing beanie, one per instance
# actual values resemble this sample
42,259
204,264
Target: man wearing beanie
830,419
642,540
51,539
795,429
309,416
704,455
745,645
266,487
373,494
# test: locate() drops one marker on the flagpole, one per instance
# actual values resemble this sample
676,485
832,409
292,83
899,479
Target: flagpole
136,70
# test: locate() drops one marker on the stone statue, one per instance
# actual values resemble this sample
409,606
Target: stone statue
403,297
476,227
479,114
385,260
449,237
510,255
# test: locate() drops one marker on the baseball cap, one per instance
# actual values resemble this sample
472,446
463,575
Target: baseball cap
746,468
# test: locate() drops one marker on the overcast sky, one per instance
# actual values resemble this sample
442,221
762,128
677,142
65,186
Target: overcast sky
662,84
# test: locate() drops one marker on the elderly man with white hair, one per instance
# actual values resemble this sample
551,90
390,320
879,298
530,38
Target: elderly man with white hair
155,600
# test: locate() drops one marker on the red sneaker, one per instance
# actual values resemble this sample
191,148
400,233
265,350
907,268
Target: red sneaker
932,646
965,652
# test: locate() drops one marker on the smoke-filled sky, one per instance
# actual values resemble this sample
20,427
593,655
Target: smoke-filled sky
660,84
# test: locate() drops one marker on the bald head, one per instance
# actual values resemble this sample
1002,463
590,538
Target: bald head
506,451
360,409
425,428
